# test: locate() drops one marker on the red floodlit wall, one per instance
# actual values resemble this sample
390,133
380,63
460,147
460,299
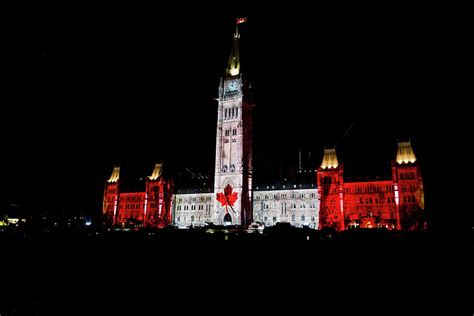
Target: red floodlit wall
151,208
393,204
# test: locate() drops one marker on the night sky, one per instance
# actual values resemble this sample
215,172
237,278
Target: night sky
91,87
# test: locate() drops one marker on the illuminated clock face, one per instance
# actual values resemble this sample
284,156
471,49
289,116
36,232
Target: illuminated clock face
232,86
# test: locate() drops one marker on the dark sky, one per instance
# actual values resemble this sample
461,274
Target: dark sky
94,86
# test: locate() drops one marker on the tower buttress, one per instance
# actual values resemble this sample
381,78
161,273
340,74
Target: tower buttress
330,178
408,188
110,206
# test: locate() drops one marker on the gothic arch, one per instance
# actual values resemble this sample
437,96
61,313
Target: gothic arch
227,220
226,182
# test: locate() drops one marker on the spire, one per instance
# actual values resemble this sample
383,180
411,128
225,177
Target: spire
299,160
405,153
233,66
156,172
114,177
329,159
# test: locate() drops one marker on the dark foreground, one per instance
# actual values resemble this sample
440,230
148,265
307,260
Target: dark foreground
220,269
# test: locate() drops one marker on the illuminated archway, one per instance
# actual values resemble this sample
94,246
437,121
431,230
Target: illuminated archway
227,219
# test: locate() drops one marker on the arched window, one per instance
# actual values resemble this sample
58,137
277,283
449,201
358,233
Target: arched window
413,199
366,201
192,218
302,218
376,201
293,217
371,201
361,201
225,113
404,199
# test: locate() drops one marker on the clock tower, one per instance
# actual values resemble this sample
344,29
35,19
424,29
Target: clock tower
233,168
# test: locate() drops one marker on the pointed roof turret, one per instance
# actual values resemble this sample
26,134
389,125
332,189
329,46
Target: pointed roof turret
329,159
114,177
405,153
233,66
156,171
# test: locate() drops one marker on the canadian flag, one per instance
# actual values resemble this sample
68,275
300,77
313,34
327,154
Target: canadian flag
241,20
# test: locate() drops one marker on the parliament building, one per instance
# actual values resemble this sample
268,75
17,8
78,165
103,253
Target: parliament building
329,202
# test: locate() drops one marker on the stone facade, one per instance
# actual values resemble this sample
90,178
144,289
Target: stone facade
299,207
193,209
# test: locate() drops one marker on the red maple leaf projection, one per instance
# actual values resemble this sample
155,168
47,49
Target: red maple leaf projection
227,198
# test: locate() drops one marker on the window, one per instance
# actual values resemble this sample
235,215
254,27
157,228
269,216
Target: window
192,218
302,218
225,113
293,217
361,201
233,109
179,218
236,111
274,219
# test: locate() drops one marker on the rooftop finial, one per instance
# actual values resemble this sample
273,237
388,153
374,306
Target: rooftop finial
405,153
329,159
156,171
114,177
